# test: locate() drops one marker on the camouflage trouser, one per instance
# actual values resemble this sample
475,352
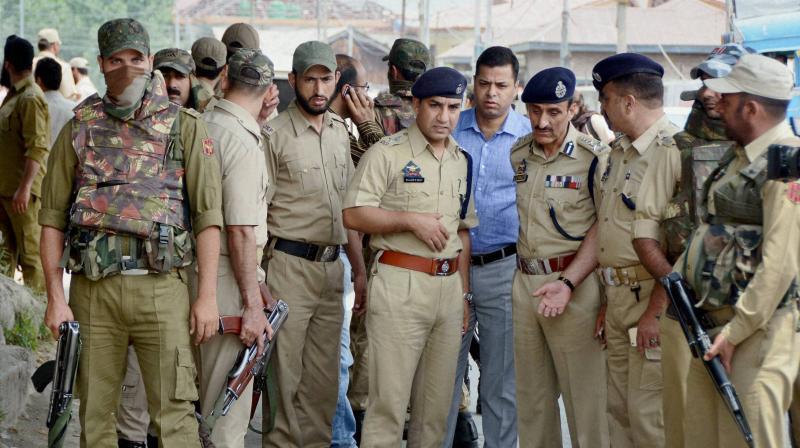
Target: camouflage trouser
21,242
151,313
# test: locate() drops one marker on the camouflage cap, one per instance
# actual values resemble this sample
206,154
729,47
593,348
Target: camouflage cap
311,53
251,66
209,53
175,58
122,34
721,60
409,54
240,35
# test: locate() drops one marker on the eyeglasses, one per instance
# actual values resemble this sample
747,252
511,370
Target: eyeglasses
365,86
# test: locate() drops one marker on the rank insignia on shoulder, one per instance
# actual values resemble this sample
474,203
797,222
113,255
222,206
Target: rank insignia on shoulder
521,175
412,173
208,147
793,192
571,182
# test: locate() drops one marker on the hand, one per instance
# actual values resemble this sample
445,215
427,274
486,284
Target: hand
647,332
724,349
204,319
600,325
555,297
465,324
57,313
254,324
360,287
20,200
359,105
429,229
270,103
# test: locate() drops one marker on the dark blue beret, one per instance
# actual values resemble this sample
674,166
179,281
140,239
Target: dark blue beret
551,85
623,64
439,81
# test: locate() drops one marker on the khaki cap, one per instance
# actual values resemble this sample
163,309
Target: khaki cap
311,53
209,53
757,75
78,62
49,35
240,35
175,58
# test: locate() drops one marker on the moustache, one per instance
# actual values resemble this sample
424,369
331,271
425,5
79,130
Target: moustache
173,91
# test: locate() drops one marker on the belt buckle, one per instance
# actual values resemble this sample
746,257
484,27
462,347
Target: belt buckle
442,267
607,277
325,254
126,259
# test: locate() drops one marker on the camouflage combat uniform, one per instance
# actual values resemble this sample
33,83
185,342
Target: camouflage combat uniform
393,110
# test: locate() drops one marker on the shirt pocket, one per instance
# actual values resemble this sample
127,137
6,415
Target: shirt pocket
340,174
418,197
305,173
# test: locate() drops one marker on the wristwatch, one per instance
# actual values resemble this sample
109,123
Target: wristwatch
468,297
567,282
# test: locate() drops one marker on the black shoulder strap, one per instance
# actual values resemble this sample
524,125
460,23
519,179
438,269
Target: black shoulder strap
592,170
465,203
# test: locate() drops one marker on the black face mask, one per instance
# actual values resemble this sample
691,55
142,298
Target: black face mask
5,79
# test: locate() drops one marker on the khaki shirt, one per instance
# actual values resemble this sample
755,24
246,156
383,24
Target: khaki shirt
630,170
309,172
237,140
24,133
67,87
202,177
388,177
559,183
780,248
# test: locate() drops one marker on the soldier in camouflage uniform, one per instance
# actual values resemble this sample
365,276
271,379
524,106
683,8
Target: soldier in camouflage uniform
702,143
408,59
133,192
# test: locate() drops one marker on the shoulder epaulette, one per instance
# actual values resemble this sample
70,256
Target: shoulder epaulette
525,140
592,144
190,112
267,130
394,139
90,109
386,99
665,138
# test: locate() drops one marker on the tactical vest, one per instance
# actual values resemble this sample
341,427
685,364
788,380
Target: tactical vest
727,248
129,210
394,112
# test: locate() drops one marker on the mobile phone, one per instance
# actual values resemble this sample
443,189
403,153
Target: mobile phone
346,90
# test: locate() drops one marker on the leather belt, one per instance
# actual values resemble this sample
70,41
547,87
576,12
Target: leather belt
310,252
230,324
543,266
482,259
628,275
431,266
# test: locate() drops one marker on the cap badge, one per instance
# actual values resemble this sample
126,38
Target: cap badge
459,89
561,90
597,77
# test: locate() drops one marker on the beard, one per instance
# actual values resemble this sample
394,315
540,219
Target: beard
305,103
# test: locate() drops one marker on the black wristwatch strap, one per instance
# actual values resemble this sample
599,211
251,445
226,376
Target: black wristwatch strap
567,282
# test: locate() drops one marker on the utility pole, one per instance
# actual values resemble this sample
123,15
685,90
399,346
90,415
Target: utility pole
488,35
21,18
177,25
424,22
566,59
350,40
477,47
622,26
403,20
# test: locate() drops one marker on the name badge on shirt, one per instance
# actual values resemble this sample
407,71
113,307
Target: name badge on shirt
521,174
571,182
412,173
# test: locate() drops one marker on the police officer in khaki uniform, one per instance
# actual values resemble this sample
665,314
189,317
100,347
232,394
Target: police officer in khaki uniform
233,126
411,193
308,156
132,289
556,296
24,141
751,294
210,58
632,191
240,35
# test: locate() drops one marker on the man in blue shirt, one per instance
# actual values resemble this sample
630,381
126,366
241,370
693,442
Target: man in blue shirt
487,132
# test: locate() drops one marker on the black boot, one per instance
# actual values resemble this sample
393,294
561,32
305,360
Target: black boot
466,434
359,415
123,443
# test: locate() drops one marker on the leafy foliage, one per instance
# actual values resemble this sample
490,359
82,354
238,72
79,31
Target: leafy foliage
25,333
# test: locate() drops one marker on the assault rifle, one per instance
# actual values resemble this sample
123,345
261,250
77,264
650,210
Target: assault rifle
61,372
690,318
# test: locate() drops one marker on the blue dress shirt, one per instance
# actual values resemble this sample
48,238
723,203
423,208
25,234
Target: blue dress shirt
492,179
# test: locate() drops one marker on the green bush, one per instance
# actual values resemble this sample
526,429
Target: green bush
24,333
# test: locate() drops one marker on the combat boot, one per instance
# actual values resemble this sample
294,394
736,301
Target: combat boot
466,433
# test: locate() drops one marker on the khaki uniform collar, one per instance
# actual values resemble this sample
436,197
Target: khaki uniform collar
22,84
643,142
419,143
242,116
759,146
299,121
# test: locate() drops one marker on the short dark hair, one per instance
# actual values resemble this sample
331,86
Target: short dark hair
43,45
775,108
208,73
249,89
83,71
48,70
408,75
647,88
347,68
498,57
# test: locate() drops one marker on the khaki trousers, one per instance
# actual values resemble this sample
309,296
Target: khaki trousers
763,369
559,356
132,418
151,313
794,415
21,242
359,371
306,354
675,359
215,359
414,325
634,382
